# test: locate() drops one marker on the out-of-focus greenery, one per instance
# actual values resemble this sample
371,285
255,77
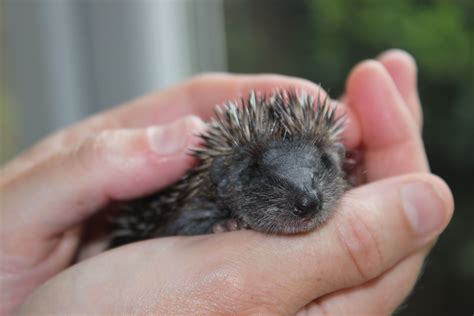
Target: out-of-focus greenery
322,40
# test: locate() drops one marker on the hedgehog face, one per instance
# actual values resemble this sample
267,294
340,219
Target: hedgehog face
284,187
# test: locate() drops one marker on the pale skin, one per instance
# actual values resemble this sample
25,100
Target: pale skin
364,261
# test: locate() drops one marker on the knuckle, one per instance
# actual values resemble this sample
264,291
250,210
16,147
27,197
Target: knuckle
359,238
91,150
70,137
195,83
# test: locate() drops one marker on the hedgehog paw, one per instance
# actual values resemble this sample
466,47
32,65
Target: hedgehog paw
228,225
354,167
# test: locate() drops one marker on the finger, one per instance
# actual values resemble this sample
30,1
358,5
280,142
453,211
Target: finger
20,277
389,134
198,96
376,226
402,68
114,165
381,296
202,94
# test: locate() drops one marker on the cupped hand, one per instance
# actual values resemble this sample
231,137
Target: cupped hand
364,260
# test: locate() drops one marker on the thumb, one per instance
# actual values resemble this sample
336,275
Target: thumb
375,226
115,164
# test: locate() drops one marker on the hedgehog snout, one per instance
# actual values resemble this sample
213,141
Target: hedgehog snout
307,205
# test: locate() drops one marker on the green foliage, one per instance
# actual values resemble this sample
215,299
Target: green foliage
436,32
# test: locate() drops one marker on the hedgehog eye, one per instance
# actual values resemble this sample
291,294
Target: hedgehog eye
255,169
326,161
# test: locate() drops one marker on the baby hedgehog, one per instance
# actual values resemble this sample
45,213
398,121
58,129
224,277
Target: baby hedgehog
273,164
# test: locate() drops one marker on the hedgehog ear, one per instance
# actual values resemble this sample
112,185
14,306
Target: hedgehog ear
339,153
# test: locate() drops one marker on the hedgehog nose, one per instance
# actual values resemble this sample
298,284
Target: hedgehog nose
307,205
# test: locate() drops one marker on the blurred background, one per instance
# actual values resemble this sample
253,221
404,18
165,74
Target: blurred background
62,60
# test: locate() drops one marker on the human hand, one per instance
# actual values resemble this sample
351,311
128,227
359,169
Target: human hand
232,272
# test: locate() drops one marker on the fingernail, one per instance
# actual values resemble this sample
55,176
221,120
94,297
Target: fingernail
424,208
175,137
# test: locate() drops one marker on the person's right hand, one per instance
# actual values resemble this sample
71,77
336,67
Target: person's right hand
363,261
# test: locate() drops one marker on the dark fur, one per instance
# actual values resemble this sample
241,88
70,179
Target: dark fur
272,164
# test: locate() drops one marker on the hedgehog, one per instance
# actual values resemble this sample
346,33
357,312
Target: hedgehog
270,163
